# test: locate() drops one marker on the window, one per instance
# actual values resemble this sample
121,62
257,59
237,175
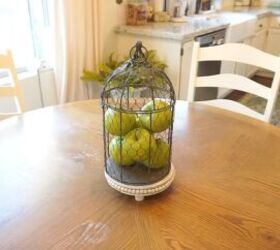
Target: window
25,29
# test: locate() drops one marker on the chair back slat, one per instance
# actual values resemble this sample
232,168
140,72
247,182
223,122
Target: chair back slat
237,82
240,53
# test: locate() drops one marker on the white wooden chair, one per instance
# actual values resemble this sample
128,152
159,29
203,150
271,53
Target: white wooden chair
7,63
237,53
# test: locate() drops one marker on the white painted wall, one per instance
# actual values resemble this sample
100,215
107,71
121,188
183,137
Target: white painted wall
111,15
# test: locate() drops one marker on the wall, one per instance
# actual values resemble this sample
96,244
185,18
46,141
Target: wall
111,15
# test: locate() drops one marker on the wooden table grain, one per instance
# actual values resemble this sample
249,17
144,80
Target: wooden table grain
53,194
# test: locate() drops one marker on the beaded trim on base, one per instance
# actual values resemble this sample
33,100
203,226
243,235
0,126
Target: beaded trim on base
141,191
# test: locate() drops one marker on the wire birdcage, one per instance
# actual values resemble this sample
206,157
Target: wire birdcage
138,108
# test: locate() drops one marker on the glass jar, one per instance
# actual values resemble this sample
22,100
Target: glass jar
137,12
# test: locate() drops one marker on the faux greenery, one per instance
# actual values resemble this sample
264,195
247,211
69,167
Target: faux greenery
107,67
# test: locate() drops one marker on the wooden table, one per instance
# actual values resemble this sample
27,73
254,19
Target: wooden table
53,194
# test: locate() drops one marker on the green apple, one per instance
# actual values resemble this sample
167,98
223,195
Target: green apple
113,121
161,120
115,150
138,143
160,156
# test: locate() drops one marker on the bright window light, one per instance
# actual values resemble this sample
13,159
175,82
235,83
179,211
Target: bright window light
25,29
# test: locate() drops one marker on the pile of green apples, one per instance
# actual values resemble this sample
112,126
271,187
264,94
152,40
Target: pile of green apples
135,140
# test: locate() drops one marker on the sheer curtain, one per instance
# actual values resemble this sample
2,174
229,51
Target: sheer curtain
76,36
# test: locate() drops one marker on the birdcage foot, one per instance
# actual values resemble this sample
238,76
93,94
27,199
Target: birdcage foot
139,197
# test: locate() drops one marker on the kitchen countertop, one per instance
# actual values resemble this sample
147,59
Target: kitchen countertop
197,25
258,12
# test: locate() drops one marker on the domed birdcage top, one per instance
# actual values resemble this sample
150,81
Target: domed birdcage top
135,83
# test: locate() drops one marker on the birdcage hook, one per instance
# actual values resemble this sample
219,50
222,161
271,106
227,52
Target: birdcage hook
138,53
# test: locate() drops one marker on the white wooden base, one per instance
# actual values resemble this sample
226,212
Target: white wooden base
140,192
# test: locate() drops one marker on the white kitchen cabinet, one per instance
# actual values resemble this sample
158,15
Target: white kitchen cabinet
185,70
226,68
262,24
249,69
259,40
273,37
168,50
274,22
237,33
246,69
241,69
273,42
235,68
